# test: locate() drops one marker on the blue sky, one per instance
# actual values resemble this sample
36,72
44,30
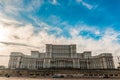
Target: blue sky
91,24
100,14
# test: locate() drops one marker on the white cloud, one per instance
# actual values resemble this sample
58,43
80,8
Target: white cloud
85,4
35,4
75,31
54,19
54,2
13,7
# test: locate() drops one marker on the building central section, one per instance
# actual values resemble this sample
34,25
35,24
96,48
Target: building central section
60,56
60,51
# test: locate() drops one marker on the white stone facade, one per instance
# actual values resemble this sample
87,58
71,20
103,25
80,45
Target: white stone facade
60,56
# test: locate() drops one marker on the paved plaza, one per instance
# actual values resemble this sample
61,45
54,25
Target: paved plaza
15,78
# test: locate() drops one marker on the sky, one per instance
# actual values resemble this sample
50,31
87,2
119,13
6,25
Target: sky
93,25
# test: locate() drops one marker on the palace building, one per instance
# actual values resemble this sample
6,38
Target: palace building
60,56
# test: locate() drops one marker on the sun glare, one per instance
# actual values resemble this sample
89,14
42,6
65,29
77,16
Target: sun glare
3,33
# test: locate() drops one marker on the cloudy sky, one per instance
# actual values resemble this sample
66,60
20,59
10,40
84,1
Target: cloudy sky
27,25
